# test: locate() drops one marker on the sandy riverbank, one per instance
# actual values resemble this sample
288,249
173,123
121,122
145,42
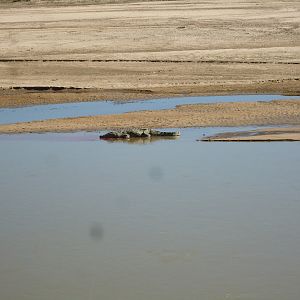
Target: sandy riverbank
206,115
286,134
144,50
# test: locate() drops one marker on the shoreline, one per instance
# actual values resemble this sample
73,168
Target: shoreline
29,96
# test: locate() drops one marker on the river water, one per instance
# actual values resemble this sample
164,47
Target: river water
77,109
178,219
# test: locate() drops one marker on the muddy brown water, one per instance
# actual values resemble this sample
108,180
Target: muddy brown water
82,218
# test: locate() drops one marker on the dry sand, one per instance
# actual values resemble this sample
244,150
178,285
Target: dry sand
289,134
147,49
218,114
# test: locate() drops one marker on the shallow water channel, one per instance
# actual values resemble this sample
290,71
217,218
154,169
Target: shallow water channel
77,109
178,219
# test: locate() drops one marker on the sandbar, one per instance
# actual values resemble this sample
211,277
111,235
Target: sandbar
277,112
286,134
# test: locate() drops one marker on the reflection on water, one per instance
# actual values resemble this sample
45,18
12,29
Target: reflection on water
168,220
77,109
141,141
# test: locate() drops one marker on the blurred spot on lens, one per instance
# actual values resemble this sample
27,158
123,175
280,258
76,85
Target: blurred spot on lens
155,173
96,231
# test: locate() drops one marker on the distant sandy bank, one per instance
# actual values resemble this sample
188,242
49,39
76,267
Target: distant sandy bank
120,50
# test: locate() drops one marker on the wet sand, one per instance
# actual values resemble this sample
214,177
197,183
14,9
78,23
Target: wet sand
55,54
289,134
196,115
